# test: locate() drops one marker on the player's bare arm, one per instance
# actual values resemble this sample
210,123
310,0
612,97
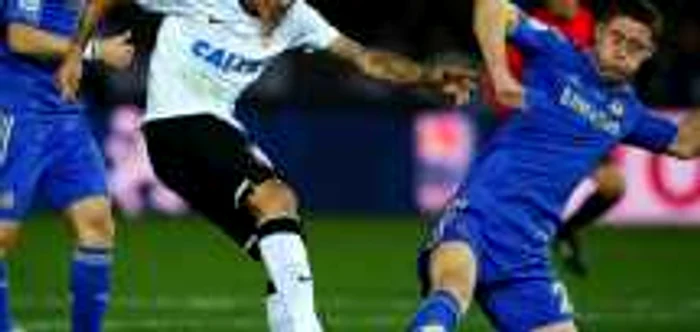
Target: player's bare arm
87,23
378,64
399,69
687,144
492,21
117,51
32,41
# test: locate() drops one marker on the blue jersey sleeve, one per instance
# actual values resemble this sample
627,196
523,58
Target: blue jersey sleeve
652,133
24,11
533,37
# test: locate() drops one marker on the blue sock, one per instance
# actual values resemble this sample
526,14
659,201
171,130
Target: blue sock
5,316
90,285
438,309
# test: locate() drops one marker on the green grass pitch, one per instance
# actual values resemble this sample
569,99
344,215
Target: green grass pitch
182,275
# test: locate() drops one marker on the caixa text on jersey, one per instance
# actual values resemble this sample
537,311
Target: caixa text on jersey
225,60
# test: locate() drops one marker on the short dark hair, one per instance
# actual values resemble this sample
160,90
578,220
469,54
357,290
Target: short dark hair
639,10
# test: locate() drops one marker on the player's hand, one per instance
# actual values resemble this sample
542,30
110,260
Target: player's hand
117,51
455,82
508,90
69,75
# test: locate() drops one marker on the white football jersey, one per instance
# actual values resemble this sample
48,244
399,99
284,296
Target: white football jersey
204,60
219,9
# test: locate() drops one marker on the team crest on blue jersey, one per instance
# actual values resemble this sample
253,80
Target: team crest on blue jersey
617,108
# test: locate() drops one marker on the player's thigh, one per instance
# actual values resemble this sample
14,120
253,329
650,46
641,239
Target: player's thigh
75,182
527,305
77,168
210,165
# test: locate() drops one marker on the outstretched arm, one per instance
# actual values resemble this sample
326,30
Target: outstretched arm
453,81
378,64
687,143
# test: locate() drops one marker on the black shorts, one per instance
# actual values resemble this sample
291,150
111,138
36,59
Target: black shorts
212,165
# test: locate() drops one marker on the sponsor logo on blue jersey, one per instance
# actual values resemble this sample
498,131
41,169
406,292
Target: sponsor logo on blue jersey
608,120
225,60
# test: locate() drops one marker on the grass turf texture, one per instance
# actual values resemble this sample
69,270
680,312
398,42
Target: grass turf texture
182,275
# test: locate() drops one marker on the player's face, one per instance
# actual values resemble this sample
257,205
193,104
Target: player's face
563,8
272,11
622,46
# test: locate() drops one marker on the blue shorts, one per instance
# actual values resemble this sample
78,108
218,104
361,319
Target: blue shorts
55,156
515,287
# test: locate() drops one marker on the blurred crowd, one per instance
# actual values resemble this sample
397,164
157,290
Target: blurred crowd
428,30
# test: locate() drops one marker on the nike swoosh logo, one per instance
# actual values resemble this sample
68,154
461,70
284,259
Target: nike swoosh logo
214,20
305,279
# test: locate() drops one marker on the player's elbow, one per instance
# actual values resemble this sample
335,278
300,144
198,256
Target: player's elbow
19,38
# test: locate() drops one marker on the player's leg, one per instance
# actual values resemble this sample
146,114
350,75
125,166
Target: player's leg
283,251
94,229
610,188
75,184
21,165
453,270
231,185
527,304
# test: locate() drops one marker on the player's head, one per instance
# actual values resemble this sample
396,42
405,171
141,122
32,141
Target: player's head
563,8
626,37
270,12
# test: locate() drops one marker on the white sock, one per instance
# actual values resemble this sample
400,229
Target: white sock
278,319
286,261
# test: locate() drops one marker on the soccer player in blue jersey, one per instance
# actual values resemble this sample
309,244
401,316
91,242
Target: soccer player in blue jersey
46,147
492,243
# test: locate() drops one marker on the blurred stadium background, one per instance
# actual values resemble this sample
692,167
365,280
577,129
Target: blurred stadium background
370,162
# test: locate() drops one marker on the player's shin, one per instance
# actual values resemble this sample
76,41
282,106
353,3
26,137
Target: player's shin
452,271
286,260
90,287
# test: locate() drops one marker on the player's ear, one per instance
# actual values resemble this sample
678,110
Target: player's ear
652,52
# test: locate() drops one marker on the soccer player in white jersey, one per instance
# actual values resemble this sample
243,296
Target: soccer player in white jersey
207,54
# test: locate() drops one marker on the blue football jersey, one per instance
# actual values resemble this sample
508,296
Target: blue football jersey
28,83
572,118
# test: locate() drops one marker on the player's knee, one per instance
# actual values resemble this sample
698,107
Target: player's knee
558,327
93,224
9,236
273,199
611,182
453,268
